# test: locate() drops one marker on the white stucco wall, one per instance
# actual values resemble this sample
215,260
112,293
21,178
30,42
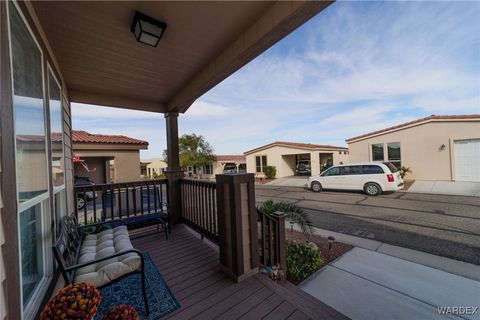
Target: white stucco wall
283,159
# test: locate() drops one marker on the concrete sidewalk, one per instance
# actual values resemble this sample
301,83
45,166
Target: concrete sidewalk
461,188
364,284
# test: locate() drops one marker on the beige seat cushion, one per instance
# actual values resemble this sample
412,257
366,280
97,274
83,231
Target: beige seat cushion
103,244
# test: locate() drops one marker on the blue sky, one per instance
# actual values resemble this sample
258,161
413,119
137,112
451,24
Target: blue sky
354,68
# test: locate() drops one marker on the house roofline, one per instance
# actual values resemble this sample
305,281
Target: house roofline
306,146
432,118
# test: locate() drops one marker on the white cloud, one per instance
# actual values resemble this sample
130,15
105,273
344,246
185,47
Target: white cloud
205,110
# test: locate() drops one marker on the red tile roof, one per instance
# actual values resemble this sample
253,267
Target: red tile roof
418,121
296,145
85,137
230,157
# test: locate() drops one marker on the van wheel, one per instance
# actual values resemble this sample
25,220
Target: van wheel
372,189
316,186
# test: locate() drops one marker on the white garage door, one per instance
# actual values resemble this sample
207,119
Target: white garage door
467,160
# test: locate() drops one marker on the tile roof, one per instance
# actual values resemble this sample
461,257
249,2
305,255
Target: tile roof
85,137
296,145
418,121
230,157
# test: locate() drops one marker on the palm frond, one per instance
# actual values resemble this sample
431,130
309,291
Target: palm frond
294,213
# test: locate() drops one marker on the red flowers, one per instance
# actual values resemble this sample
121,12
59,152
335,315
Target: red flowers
78,301
121,312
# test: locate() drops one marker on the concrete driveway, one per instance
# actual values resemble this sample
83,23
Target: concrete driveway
447,226
293,181
364,284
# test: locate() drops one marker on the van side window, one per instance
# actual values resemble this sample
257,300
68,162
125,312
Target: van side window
350,170
331,172
372,169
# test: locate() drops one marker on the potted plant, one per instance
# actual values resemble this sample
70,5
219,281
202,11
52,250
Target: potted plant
77,301
121,312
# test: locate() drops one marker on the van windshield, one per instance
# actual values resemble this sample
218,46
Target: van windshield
391,167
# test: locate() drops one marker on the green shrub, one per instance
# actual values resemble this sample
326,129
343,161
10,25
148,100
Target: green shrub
270,172
302,261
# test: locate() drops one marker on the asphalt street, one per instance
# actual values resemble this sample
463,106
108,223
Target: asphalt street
443,225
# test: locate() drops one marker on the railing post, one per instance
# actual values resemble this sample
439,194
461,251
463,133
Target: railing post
237,225
280,243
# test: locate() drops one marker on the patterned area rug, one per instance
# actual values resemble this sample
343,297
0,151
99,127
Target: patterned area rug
129,291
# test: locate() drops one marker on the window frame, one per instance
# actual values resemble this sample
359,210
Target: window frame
373,154
262,167
400,153
50,71
30,309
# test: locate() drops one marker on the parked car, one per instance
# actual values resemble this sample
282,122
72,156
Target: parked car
82,199
230,168
371,177
303,168
242,168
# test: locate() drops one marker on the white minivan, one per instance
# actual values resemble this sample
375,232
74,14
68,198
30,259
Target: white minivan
371,177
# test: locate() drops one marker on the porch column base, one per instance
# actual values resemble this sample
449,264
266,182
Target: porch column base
237,225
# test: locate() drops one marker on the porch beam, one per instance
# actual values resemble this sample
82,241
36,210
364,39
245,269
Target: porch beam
276,23
174,173
116,101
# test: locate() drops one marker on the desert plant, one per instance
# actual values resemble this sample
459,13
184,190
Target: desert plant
404,170
302,261
294,213
270,172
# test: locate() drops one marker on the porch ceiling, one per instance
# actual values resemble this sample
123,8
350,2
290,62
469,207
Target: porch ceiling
205,42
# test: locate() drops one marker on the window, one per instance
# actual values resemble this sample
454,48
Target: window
56,131
393,152
332,172
32,250
31,163
208,169
377,152
350,170
371,169
261,163
391,167
29,111
149,172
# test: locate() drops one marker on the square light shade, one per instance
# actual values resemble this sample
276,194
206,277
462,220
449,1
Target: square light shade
146,29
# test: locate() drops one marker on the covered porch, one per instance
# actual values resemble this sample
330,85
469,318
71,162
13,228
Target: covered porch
89,51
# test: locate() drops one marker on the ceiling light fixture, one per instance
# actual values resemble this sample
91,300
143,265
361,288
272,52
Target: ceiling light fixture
146,29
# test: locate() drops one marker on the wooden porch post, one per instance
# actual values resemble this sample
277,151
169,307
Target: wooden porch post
237,225
174,172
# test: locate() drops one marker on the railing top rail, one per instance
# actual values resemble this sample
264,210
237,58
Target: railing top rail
118,184
199,181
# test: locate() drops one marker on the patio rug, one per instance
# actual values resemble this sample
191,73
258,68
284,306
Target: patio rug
129,291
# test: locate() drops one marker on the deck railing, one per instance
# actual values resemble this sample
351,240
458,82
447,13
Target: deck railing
119,200
271,237
199,206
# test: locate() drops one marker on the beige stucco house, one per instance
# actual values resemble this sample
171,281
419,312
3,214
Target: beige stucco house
284,156
435,148
155,167
101,152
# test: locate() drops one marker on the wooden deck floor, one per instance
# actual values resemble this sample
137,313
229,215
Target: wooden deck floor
191,268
